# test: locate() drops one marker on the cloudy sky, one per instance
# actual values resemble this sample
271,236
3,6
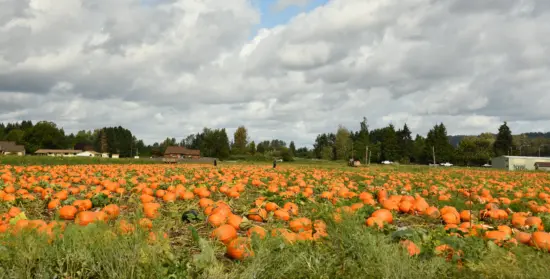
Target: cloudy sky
287,69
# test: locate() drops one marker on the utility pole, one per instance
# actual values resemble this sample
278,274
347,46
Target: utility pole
370,153
366,154
352,152
433,153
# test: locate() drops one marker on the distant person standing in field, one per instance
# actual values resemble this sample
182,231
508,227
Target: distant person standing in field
274,163
215,162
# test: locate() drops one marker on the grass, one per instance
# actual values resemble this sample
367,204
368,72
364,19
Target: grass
351,251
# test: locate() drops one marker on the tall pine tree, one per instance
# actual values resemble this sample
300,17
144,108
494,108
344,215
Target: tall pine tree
504,141
406,144
438,140
390,146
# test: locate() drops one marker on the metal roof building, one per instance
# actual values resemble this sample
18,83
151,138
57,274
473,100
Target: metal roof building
517,162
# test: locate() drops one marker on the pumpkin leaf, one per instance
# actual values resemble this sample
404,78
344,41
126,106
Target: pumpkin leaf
20,216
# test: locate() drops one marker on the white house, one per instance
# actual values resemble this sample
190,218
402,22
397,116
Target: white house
88,154
104,155
115,156
58,152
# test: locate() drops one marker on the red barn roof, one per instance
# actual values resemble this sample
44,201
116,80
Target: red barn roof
179,150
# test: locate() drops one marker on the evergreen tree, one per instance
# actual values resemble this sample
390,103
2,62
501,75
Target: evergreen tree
504,141
361,140
2,131
406,144
390,145
438,140
418,156
260,148
292,148
252,148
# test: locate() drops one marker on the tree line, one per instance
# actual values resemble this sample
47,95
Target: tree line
119,140
397,145
390,143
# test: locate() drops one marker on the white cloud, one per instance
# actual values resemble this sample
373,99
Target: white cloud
169,68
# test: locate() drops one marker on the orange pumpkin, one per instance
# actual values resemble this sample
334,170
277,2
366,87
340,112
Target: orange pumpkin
239,249
224,233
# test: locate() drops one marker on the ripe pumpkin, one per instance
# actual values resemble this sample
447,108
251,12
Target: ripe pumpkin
271,206
384,215
84,218
374,221
234,221
541,240
281,215
411,247
451,218
239,248
534,221
300,224
224,233
257,214
14,211
125,227
145,223
151,210
291,208
432,212
67,212
405,206
112,210
497,236
465,215
522,237
169,197
257,230
53,204
216,220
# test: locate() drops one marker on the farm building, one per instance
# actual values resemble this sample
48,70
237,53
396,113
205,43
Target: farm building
88,154
544,166
517,162
11,148
57,152
181,152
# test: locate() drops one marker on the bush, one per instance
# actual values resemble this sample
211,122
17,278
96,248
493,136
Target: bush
286,155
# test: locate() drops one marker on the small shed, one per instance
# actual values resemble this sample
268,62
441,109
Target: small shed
104,155
543,166
115,156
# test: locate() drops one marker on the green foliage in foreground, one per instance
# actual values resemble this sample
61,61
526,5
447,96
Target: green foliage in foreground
351,251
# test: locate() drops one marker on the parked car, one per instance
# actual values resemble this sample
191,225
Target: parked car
387,162
447,164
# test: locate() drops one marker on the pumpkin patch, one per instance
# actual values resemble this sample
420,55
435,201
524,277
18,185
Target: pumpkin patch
426,213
